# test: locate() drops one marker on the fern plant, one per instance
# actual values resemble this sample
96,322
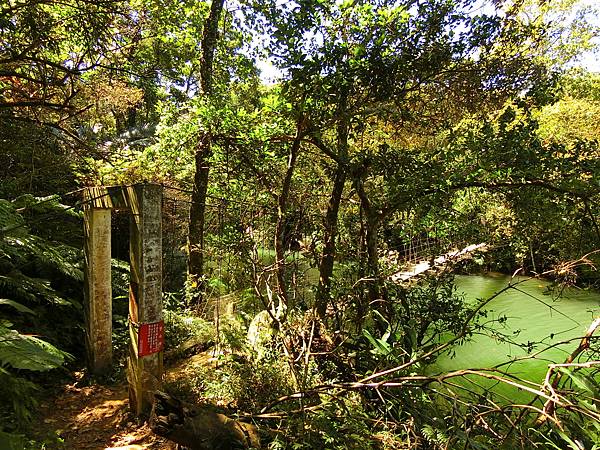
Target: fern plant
37,277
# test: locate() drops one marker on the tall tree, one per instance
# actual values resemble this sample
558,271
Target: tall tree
59,61
48,49
392,63
202,157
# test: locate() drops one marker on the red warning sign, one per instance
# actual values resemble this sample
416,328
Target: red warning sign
151,338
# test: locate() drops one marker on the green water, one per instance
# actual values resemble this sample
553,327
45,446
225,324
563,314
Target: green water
533,314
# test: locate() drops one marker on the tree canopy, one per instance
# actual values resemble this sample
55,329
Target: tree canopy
396,132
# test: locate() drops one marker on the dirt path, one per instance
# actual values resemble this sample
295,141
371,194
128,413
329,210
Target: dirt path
96,417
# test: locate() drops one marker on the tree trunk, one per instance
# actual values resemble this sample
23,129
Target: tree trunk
361,303
197,220
371,237
209,45
331,217
201,160
372,230
282,206
329,237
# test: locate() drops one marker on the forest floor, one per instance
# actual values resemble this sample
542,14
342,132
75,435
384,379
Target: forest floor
97,417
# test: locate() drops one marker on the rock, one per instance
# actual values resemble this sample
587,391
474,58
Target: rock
261,333
199,429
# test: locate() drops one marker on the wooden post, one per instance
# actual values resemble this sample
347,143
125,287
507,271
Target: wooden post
145,364
98,290
145,294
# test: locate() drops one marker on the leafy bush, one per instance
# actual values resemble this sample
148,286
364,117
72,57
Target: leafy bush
31,306
240,383
182,327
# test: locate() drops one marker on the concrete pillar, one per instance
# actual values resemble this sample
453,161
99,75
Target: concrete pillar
145,295
98,290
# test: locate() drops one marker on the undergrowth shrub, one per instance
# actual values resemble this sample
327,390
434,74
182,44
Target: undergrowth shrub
458,412
229,374
40,316
239,383
183,326
341,421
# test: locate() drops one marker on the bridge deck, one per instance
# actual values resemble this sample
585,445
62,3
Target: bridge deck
437,263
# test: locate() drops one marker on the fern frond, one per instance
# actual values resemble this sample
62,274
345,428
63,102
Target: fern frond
12,441
10,219
28,289
17,306
45,205
59,256
11,286
28,352
19,393
434,435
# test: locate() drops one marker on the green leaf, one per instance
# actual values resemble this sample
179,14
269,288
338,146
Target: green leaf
9,441
388,330
28,352
17,306
569,441
581,381
380,346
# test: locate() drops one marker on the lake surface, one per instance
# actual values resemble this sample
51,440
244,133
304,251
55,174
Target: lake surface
533,313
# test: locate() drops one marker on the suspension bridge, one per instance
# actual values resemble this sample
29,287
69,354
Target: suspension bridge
424,265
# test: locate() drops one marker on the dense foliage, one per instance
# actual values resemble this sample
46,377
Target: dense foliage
36,280
394,132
